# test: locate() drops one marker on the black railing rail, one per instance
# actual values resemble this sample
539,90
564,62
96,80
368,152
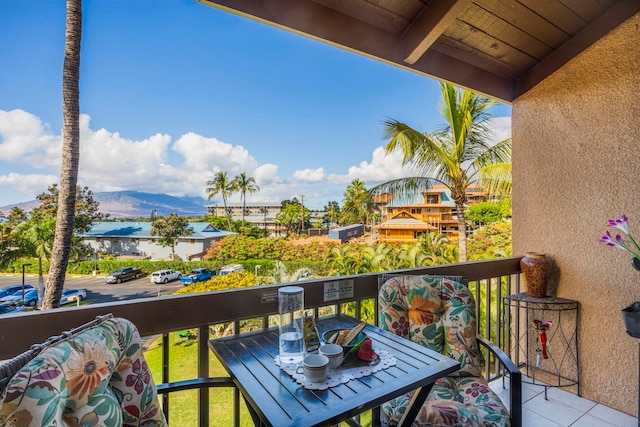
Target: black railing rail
490,279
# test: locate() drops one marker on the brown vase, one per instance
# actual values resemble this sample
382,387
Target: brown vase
535,269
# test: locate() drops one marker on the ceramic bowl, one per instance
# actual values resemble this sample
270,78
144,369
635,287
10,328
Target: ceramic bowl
326,337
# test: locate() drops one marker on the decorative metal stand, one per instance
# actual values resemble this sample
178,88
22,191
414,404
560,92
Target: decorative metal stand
544,337
631,318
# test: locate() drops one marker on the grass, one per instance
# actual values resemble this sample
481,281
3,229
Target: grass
183,406
183,364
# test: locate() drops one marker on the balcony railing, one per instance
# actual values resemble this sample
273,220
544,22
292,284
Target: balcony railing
489,280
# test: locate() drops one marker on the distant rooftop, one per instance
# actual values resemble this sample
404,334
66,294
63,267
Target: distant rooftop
201,230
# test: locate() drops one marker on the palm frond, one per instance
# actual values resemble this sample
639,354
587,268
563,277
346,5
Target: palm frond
496,179
403,188
497,154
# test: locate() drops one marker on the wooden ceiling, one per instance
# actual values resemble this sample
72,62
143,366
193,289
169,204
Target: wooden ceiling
501,48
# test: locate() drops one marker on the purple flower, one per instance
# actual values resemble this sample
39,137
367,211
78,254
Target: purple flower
610,241
621,224
622,240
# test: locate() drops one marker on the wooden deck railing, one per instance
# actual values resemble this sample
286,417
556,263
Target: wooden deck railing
490,280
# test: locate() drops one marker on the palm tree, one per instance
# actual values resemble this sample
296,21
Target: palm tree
356,203
375,258
332,210
70,156
411,256
457,155
37,236
244,184
343,259
280,272
221,184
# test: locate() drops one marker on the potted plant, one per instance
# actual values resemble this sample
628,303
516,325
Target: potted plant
625,241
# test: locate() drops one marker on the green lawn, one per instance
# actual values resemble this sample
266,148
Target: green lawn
184,405
183,363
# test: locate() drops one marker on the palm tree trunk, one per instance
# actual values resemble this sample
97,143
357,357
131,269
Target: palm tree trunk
40,283
244,204
226,212
70,157
462,233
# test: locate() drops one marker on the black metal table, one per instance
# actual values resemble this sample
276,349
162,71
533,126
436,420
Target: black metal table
562,368
275,399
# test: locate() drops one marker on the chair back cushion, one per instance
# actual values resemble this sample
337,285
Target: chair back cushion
98,377
436,312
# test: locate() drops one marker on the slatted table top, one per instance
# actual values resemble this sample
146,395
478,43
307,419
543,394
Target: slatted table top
279,401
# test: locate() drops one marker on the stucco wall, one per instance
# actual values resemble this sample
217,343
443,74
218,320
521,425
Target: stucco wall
576,164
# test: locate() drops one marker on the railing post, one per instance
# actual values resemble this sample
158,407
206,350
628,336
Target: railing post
165,374
203,372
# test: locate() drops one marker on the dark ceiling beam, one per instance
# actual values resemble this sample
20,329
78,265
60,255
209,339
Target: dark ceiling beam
593,32
429,25
316,21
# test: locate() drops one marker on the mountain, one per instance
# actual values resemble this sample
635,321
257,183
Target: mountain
120,204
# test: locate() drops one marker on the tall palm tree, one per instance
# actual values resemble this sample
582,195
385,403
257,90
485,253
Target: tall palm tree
243,184
221,184
356,203
70,156
456,155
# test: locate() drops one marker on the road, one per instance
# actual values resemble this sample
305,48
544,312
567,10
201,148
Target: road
98,290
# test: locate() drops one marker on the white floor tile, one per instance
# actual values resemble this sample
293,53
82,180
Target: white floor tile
617,418
553,409
590,421
532,419
570,399
529,391
562,408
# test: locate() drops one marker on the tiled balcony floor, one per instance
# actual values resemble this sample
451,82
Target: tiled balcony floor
563,409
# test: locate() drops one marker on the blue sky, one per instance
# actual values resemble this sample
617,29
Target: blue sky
173,91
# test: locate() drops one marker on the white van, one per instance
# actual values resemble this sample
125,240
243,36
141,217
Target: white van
231,268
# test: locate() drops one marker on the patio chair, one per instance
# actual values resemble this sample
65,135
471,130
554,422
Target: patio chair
440,313
93,375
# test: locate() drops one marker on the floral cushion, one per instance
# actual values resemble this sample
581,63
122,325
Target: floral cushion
440,314
96,378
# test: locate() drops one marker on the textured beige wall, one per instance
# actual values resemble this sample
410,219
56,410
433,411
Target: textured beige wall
576,163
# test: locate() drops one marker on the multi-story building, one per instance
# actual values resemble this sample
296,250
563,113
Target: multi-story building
261,215
405,222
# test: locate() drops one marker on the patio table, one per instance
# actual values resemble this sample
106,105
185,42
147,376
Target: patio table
275,399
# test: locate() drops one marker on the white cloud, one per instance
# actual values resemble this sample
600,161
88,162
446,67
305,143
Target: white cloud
110,162
32,184
211,155
311,175
266,174
381,168
500,129
23,137
30,161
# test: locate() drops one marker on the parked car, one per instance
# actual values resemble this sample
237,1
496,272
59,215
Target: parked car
68,294
122,274
15,299
230,269
197,275
165,276
9,290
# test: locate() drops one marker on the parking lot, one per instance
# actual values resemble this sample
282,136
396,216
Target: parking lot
98,290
